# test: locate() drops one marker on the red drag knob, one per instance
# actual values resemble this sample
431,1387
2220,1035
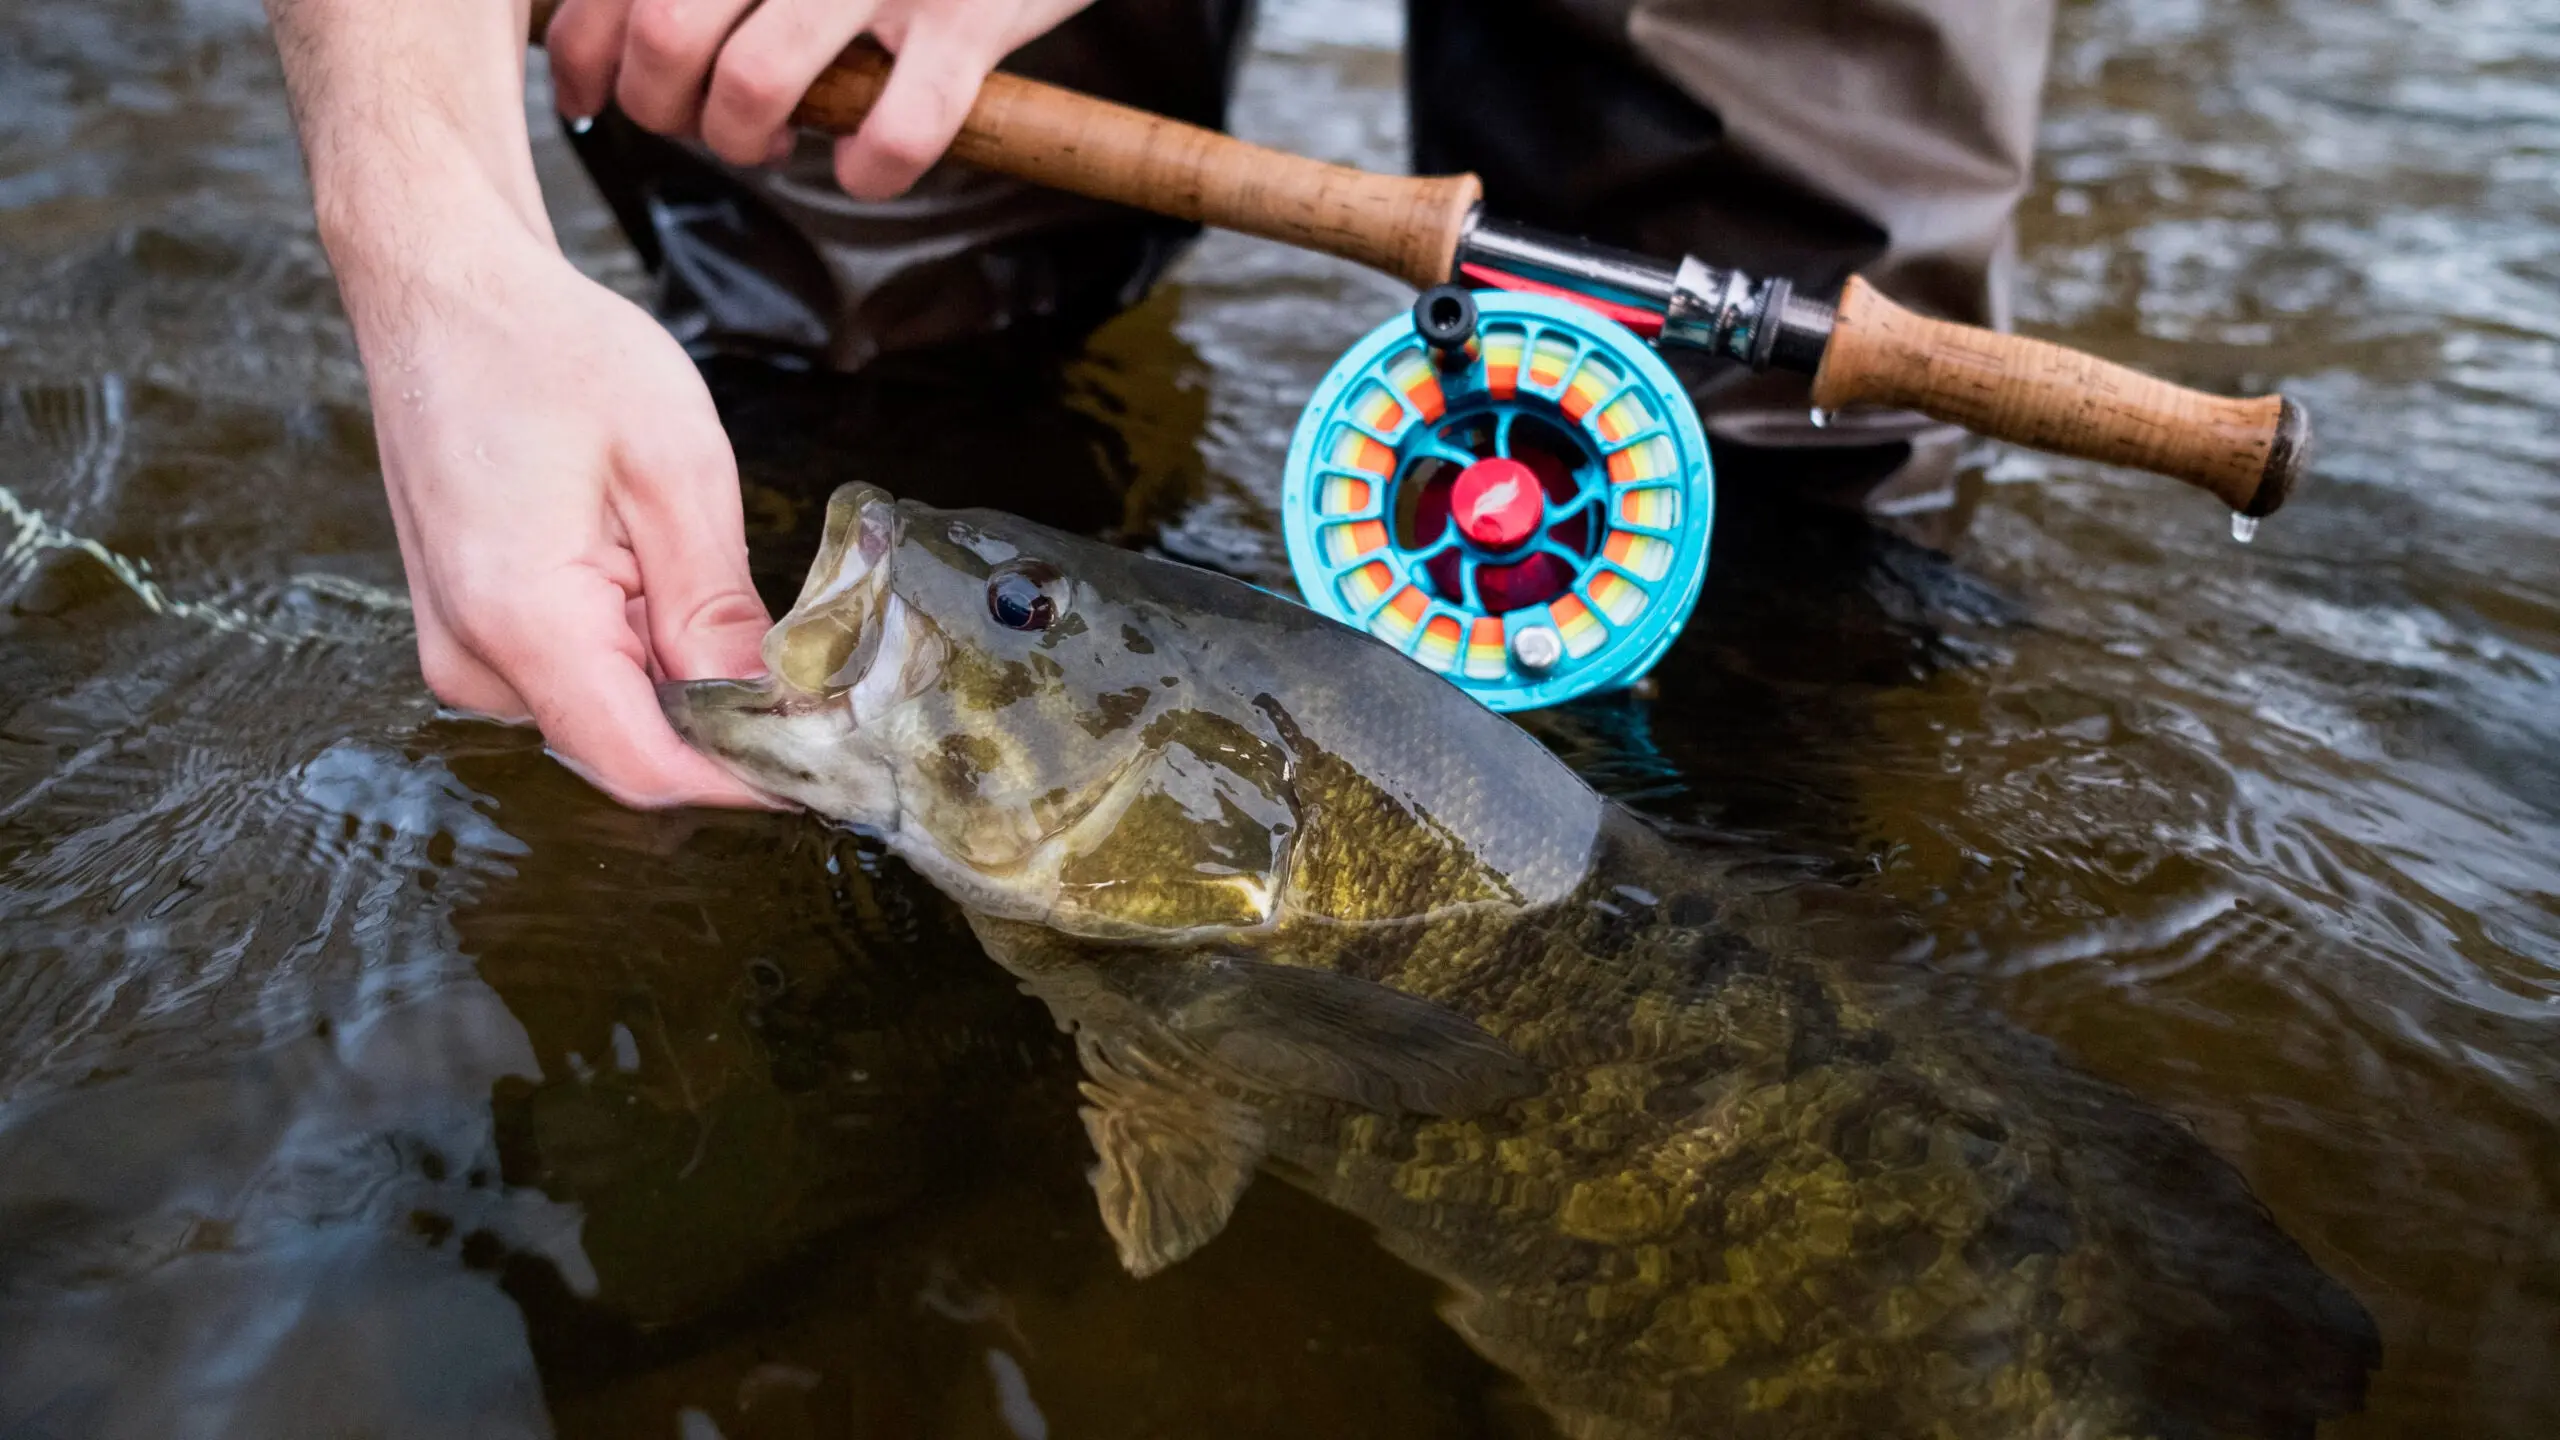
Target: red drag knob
1497,503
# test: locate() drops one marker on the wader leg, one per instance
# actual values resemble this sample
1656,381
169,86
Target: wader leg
1804,138
780,263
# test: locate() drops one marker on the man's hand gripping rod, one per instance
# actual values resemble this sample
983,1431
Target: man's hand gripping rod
1431,229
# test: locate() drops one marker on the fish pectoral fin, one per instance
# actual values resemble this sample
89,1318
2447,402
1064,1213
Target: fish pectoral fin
1296,1030
1171,1160
1189,1057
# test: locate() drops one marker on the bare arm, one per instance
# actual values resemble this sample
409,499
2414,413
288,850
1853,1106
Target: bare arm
406,111
566,501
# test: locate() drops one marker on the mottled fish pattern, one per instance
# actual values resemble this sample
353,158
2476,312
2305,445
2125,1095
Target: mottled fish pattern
1698,1146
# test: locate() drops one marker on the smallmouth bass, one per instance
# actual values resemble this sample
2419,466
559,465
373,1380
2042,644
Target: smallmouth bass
1694,1150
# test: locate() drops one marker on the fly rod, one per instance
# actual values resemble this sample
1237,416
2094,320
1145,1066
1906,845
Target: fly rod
1861,349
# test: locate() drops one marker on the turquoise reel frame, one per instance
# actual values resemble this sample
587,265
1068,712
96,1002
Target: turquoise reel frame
1619,551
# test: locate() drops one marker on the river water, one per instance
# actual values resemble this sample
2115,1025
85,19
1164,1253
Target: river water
362,1072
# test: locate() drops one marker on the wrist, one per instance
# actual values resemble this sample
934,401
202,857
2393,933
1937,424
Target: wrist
405,239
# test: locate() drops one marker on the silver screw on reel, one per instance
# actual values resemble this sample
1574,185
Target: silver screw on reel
1536,649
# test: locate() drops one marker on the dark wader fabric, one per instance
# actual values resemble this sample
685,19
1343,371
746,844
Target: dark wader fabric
1805,138
781,263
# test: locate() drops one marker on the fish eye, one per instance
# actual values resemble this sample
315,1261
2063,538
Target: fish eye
1022,595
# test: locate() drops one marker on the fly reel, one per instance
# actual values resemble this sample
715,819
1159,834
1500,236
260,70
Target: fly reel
1511,489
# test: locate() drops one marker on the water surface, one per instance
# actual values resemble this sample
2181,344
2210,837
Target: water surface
362,1071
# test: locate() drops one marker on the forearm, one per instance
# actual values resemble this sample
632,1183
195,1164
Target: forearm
412,119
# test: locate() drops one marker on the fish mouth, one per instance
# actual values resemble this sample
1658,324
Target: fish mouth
700,710
835,661
761,731
712,716
828,641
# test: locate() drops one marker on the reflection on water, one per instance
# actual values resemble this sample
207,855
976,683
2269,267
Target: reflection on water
360,1070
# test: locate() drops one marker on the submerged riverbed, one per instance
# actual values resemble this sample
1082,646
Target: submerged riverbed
363,1072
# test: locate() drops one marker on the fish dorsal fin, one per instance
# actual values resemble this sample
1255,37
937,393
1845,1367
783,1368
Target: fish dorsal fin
1171,1159
1286,1030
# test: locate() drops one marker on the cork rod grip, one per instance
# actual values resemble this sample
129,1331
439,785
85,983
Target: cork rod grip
1407,226
2248,453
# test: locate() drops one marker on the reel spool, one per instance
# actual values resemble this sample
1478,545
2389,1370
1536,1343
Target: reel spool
1511,489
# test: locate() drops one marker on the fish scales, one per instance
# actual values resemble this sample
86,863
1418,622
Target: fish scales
1726,1198
1695,1150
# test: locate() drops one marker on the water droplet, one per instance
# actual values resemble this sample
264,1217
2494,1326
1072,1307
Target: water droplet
2244,528
1820,417
581,124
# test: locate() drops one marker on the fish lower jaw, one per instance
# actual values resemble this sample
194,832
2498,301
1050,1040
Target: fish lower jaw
860,797
808,755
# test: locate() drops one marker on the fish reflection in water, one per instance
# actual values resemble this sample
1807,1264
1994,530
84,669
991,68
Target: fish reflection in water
1695,1146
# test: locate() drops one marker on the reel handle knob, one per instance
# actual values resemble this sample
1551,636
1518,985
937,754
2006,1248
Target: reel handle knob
1445,317
2247,453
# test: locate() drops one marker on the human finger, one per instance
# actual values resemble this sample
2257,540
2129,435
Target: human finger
677,503
579,668
766,68
703,616
585,46
931,87
458,679
635,614
618,740
667,53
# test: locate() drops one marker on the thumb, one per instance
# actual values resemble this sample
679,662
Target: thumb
708,630
688,532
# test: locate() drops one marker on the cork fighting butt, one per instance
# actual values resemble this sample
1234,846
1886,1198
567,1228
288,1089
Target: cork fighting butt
2248,453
